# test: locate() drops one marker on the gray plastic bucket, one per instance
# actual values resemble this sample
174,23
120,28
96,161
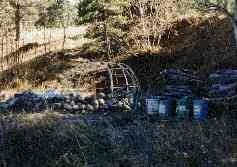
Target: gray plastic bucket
158,105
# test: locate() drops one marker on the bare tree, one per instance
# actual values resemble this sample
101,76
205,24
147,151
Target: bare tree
153,18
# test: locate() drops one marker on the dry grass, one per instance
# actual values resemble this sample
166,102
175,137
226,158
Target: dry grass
54,71
37,42
201,44
119,139
149,22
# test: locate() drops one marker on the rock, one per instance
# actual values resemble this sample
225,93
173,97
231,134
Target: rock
83,108
67,107
18,94
90,99
90,108
54,100
94,99
26,101
101,95
79,99
76,107
71,95
72,103
52,94
68,99
36,102
101,102
96,104
58,106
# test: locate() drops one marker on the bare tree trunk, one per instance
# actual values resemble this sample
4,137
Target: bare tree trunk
2,50
226,4
18,22
108,49
142,19
107,42
45,47
64,36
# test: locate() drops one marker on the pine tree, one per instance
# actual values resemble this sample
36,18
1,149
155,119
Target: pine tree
53,12
225,6
109,23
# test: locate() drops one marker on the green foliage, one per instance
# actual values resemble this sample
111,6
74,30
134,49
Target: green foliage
109,23
9,7
225,6
204,4
55,13
86,11
94,10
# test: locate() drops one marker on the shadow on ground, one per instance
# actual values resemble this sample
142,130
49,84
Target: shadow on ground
35,71
201,44
129,140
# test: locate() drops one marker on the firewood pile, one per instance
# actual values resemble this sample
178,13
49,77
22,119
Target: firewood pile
219,86
180,83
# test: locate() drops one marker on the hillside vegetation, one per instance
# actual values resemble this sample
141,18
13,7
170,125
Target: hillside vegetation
149,36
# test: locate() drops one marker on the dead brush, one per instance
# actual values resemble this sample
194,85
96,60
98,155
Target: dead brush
118,139
149,20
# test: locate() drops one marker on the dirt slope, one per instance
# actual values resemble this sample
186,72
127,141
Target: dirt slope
202,44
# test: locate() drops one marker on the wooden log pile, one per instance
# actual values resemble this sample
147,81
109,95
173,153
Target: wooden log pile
179,83
223,83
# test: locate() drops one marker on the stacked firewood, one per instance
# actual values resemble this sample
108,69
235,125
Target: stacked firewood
180,83
223,83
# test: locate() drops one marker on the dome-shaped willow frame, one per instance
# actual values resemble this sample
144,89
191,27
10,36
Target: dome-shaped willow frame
122,84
